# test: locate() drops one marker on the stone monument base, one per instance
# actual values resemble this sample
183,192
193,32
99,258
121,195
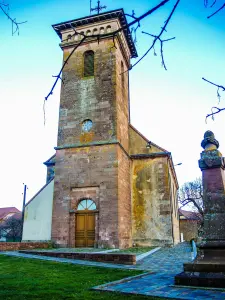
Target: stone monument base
203,279
207,270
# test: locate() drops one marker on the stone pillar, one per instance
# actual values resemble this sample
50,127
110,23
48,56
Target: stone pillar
208,269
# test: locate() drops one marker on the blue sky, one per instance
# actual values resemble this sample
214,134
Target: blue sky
168,107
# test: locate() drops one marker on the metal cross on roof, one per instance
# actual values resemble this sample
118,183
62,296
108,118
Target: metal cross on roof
98,8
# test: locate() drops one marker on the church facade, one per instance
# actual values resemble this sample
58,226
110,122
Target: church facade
107,185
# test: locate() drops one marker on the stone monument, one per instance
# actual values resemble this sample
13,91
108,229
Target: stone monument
208,269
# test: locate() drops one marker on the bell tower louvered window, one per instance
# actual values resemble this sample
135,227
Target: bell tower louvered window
88,63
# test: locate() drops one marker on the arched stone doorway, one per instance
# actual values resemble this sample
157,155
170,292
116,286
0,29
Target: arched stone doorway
85,223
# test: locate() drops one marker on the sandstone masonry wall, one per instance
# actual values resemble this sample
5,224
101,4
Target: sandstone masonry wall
151,207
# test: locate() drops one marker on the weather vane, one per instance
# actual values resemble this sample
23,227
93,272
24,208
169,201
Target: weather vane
98,8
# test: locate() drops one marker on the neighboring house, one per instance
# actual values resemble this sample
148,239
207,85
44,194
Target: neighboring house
190,223
5,214
107,185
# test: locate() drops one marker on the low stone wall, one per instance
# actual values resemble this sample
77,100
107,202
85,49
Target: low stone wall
127,259
4,246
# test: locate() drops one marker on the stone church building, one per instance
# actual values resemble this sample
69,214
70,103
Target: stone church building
107,185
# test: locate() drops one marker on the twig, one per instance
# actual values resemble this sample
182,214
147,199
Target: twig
161,46
206,2
13,21
218,110
218,87
44,112
213,4
159,35
216,11
134,29
60,72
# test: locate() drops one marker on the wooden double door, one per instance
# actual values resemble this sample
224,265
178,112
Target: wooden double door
85,229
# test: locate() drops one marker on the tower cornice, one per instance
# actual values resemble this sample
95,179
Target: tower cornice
90,20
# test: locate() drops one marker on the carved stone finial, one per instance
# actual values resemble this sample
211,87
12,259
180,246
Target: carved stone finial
209,142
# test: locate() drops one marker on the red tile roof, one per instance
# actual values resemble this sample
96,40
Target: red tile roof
4,211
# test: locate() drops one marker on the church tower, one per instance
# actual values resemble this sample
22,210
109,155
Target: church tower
92,190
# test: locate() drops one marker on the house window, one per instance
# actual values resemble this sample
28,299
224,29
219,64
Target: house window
88,63
86,204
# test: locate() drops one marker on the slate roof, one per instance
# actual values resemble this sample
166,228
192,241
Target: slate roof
50,161
4,211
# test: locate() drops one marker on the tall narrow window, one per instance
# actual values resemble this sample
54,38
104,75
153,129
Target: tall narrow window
122,75
88,63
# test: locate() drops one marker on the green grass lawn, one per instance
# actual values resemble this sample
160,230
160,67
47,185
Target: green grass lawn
36,279
135,250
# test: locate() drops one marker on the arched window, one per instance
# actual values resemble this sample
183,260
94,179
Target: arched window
89,63
86,204
108,29
69,37
81,35
95,31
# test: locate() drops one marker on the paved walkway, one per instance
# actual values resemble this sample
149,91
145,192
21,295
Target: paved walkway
167,260
160,285
164,260
165,263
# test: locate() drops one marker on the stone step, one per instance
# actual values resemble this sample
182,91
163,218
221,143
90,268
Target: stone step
203,279
205,266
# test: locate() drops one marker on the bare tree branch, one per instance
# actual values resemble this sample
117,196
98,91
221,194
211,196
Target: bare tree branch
216,11
134,29
161,47
206,2
219,86
99,36
218,110
213,3
159,35
12,228
15,25
191,194
60,72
